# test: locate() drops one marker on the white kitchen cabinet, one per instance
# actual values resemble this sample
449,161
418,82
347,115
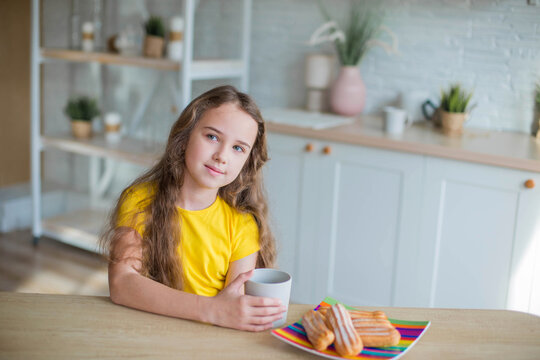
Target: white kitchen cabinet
284,177
368,208
480,238
341,213
377,227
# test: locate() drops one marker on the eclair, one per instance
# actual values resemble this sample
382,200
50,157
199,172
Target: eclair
317,332
347,342
374,328
368,314
373,336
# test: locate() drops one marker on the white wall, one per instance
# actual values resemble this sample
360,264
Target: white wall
491,46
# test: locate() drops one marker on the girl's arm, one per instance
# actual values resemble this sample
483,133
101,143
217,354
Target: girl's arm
230,308
240,266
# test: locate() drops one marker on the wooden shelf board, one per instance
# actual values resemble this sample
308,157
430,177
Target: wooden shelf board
109,58
130,150
201,69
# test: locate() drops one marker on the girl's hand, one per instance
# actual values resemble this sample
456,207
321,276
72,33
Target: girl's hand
231,308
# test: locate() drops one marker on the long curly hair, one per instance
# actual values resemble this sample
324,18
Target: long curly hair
161,236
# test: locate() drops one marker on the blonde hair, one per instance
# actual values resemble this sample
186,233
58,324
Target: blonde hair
161,237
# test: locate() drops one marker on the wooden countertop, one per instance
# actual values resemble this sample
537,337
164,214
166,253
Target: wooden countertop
506,149
38,326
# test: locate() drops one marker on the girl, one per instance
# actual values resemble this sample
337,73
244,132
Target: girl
185,236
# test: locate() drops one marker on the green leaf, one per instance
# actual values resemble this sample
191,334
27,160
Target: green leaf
82,108
537,99
154,26
455,100
362,26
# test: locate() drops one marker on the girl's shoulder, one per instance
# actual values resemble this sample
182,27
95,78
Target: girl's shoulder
139,192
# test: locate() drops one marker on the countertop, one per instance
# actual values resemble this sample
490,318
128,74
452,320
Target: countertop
38,326
507,149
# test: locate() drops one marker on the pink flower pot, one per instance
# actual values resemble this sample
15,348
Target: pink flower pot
348,94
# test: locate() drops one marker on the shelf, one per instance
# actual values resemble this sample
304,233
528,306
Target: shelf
130,150
81,228
201,69
78,228
109,58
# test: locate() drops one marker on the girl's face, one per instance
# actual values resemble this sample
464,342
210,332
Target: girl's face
218,147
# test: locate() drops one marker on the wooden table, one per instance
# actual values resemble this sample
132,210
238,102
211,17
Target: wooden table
38,326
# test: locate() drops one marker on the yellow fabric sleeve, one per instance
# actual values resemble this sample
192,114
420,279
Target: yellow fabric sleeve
131,210
246,239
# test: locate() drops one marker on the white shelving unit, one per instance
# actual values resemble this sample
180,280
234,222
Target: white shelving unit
81,228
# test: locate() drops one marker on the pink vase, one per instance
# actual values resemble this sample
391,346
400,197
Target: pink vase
348,94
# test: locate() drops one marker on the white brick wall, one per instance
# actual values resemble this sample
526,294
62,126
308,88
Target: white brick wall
490,46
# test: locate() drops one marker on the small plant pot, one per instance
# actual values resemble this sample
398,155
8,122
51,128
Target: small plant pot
153,46
452,123
81,129
538,129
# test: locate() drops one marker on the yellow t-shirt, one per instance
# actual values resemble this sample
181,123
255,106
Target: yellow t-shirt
211,238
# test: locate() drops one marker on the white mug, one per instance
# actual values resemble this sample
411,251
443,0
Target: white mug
395,120
273,284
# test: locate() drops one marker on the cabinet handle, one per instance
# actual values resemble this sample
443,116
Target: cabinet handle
327,150
529,184
309,147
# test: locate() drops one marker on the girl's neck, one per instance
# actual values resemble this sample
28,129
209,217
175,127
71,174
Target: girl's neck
196,200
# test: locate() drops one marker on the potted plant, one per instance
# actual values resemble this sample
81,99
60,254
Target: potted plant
537,98
454,109
81,110
352,41
537,111
154,39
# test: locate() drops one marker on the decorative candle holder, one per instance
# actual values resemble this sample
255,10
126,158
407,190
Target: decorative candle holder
88,37
175,45
318,76
113,128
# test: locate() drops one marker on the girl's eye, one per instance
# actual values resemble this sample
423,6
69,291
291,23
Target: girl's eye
212,137
238,148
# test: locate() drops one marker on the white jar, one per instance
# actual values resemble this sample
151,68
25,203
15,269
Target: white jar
112,128
175,46
88,37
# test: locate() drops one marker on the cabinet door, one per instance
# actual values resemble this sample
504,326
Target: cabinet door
479,233
369,205
285,176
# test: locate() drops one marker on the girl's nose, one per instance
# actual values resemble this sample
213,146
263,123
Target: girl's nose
219,156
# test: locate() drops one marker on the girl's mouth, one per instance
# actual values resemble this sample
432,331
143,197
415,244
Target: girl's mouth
213,170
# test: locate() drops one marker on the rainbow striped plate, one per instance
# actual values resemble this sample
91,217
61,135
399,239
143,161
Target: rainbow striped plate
410,332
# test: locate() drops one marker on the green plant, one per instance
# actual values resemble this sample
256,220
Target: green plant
537,98
353,42
154,26
81,108
456,99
